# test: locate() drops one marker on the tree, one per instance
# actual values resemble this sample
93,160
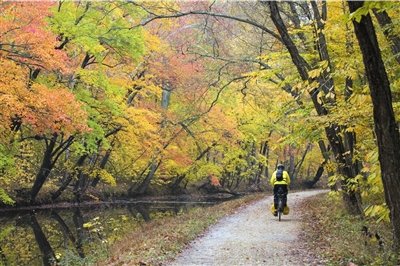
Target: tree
325,86
386,128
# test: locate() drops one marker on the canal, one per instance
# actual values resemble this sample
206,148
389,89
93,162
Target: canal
76,235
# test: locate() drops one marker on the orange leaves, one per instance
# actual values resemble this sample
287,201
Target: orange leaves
214,181
42,109
54,110
24,37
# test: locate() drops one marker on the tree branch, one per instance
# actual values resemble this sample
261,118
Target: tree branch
207,13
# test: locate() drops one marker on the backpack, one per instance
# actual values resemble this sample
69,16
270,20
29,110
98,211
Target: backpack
279,175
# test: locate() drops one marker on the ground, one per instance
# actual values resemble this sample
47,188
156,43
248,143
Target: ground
253,236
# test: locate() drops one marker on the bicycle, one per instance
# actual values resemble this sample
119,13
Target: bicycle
281,195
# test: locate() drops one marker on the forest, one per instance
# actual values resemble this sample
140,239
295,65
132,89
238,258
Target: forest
122,99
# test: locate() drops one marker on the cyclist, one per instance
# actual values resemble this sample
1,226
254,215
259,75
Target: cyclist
280,179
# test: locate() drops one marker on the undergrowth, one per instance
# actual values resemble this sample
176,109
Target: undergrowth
343,239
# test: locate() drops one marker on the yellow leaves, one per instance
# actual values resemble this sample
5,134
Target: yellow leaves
317,72
330,95
372,156
330,166
93,225
380,211
153,43
104,176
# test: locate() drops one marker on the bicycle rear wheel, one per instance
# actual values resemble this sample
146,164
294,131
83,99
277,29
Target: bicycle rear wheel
280,209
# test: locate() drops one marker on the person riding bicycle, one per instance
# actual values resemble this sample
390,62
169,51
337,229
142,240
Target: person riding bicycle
280,179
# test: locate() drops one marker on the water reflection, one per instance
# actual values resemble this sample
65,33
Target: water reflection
73,236
46,250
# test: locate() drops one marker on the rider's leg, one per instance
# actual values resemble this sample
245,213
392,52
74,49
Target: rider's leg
285,189
276,196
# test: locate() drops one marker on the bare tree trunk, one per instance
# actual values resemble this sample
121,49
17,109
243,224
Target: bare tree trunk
386,130
143,186
317,177
45,168
68,180
300,163
261,167
80,232
292,166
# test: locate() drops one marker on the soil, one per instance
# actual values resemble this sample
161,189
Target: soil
253,236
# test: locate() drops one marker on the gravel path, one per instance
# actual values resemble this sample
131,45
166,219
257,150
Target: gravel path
253,236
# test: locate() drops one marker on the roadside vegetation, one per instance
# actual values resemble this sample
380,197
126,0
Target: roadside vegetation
342,239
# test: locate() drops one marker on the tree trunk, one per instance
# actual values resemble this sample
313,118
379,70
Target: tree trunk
300,163
45,168
325,155
317,177
142,188
292,166
68,180
102,165
261,167
386,130
79,184
80,231
387,26
296,21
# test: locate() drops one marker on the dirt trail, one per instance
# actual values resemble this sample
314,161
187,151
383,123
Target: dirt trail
253,236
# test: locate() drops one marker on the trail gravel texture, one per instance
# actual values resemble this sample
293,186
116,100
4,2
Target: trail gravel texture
253,236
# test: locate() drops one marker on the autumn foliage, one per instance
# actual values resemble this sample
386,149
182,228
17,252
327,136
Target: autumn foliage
136,96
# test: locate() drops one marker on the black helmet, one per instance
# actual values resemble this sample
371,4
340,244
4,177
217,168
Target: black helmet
280,166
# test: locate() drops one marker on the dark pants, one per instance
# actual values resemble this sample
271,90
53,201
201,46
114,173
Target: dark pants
285,192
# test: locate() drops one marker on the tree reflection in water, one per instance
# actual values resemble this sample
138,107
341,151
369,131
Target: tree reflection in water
47,252
75,235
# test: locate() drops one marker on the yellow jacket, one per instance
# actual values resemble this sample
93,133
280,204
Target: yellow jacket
285,181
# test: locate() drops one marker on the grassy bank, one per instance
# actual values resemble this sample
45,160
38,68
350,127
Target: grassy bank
160,240
342,239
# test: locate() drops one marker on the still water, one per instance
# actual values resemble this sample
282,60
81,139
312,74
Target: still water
75,236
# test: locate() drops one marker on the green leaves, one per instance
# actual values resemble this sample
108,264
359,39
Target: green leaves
100,28
369,6
5,198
